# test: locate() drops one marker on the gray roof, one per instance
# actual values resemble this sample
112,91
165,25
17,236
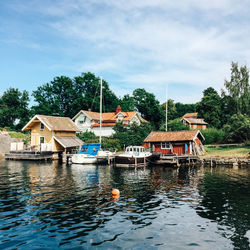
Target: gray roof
68,141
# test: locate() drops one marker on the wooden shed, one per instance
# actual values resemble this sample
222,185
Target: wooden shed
176,142
192,120
53,133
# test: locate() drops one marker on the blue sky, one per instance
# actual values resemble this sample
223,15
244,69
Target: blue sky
186,44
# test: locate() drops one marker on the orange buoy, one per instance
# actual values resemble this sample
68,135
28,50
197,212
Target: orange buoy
115,193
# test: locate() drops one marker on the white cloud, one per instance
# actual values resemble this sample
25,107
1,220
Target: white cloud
148,43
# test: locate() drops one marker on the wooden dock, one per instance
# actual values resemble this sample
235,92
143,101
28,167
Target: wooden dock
176,160
29,155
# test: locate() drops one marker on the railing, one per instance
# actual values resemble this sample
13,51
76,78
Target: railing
224,145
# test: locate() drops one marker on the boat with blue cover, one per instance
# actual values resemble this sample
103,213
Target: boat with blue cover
87,154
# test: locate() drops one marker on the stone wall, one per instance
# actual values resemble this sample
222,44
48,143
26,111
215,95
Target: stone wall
5,141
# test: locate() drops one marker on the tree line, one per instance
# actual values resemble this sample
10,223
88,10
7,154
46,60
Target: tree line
64,96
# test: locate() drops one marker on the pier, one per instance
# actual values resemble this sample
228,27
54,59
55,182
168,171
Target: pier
176,160
29,155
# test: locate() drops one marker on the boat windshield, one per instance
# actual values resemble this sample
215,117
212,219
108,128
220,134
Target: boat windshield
134,150
90,148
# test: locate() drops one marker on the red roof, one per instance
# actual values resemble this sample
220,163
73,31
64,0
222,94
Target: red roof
111,117
104,124
194,115
173,136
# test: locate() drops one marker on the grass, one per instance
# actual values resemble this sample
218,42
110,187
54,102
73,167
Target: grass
242,151
17,135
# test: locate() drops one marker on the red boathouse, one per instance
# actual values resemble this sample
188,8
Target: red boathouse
176,142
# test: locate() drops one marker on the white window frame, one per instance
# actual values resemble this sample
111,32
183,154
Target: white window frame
165,145
40,139
41,126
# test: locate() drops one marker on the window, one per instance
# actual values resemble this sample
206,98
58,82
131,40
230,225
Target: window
41,139
165,145
41,126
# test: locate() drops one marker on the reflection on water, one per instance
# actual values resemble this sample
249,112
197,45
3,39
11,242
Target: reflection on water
46,205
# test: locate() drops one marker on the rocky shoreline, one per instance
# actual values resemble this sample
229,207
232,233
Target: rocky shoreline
232,161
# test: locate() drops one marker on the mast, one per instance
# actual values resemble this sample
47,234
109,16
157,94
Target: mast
167,107
100,138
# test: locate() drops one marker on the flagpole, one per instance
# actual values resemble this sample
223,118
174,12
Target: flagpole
167,107
100,138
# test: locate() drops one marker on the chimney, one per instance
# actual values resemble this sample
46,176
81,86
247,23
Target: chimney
118,109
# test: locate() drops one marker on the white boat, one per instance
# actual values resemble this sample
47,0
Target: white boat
132,157
87,154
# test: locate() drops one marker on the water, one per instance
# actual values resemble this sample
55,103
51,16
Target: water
51,206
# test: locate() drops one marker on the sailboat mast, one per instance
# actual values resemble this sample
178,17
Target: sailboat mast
167,107
100,138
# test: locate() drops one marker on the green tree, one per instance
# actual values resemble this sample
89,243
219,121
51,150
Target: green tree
171,109
238,129
132,135
174,125
182,109
149,107
209,107
14,112
127,103
238,89
67,96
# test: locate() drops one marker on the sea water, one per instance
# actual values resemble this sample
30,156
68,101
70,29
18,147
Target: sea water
53,206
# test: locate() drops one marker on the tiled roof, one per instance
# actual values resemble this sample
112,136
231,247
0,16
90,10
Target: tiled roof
109,116
195,121
111,124
92,115
171,136
190,115
53,123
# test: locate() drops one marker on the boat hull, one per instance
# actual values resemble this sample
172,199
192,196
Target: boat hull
130,161
83,159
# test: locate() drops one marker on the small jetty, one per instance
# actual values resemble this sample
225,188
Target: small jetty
29,155
176,160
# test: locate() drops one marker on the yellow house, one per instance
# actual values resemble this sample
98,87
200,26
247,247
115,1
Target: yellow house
52,133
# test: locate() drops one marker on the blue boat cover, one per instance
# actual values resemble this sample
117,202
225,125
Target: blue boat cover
90,148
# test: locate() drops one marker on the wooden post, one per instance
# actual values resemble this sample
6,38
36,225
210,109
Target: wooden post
135,161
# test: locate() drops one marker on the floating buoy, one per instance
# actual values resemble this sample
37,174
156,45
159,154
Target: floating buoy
115,193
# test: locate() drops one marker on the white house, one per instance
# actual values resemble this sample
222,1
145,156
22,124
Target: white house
90,121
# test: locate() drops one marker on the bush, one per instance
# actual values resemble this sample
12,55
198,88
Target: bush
87,136
213,135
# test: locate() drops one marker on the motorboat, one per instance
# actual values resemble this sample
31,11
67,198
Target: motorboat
87,154
133,156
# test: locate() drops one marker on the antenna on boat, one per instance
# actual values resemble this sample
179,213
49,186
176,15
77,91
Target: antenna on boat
167,107
100,138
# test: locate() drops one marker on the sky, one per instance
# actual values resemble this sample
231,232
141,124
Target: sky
186,45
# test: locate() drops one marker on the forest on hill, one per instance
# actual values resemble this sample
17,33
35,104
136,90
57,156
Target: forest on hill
227,113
